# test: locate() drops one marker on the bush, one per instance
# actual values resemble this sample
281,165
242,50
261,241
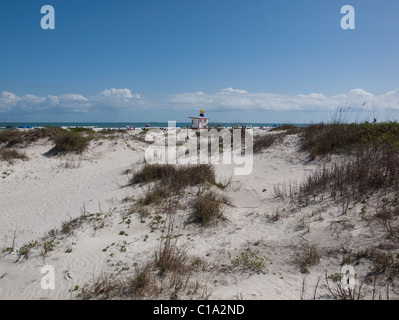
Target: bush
208,208
309,257
250,259
372,170
10,155
174,177
322,139
70,142
11,137
14,137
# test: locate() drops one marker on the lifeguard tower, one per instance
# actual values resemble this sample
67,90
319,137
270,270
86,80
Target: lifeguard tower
199,122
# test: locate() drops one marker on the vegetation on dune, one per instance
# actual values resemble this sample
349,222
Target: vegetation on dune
70,142
175,177
322,139
10,155
365,179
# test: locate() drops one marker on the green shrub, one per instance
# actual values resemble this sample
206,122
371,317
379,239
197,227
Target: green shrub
322,139
250,259
71,142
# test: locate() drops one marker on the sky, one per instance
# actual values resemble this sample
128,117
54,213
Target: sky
285,61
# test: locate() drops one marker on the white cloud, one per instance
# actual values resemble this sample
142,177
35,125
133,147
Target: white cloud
231,90
226,99
8,100
236,99
119,98
113,98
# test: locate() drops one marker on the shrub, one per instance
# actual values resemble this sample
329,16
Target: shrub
11,137
14,137
170,258
134,286
10,155
208,208
250,259
322,139
372,170
308,257
70,142
174,179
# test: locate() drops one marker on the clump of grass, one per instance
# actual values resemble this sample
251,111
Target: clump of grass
24,251
10,155
175,175
208,208
250,259
309,256
110,132
171,180
155,195
266,141
70,142
372,170
82,129
11,137
134,286
322,139
170,258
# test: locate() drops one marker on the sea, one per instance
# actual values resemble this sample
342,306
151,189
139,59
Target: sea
120,125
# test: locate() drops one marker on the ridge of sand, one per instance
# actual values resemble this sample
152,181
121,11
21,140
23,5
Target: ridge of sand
38,195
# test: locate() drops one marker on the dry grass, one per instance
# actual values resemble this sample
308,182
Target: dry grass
170,180
70,142
310,255
267,140
322,139
168,274
208,208
140,284
10,155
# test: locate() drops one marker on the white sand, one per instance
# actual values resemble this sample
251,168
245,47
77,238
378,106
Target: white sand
39,194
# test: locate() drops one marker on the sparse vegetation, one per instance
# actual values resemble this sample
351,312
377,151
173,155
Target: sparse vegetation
322,139
70,142
10,155
265,141
170,180
251,260
309,256
208,208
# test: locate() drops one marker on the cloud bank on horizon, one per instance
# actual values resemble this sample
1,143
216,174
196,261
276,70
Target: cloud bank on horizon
226,99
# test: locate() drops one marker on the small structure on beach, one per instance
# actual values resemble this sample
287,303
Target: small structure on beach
199,122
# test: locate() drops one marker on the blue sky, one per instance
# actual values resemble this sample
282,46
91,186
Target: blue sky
159,60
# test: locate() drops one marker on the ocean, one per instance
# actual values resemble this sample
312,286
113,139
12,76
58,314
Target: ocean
131,124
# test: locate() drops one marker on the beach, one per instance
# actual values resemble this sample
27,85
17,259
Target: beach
252,252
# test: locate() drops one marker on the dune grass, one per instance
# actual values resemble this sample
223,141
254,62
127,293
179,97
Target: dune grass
208,208
10,155
175,177
322,139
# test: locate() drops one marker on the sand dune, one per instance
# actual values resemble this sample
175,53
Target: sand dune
40,194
